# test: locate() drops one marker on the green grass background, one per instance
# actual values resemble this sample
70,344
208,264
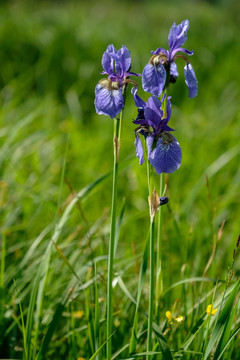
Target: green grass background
53,144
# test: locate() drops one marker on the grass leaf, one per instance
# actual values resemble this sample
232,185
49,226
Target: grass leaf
222,319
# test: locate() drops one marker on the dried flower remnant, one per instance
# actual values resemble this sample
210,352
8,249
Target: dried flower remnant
109,98
162,69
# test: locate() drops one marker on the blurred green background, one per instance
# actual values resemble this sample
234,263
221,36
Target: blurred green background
50,63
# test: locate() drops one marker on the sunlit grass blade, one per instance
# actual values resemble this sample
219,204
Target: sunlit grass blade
189,280
166,353
143,269
53,324
118,225
194,331
124,288
100,348
42,275
65,259
222,319
31,310
96,318
135,356
88,313
3,255
6,148
39,284
161,339
25,343
230,339
213,169
225,335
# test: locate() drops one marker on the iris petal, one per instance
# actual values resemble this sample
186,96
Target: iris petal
124,59
149,141
139,149
108,102
183,50
139,103
160,50
153,113
107,61
191,80
153,79
178,35
173,70
165,157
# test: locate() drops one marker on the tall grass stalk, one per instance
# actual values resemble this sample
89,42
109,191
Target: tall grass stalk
3,259
116,150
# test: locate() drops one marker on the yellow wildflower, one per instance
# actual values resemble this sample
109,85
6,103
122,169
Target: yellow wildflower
172,319
179,319
78,314
211,310
169,315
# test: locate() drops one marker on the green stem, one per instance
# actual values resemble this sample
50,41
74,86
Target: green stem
151,290
3,259
151,259
116,148
159,252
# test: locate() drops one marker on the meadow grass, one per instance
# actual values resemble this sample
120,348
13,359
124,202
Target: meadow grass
56,180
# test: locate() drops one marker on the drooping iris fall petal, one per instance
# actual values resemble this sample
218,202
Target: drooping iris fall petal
153,79
139,149
191,80
166,156
108,101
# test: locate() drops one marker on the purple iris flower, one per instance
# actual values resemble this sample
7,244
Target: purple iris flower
162,68
164,152
109,92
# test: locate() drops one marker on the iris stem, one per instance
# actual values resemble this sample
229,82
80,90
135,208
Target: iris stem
151,259
116,151
151,289
159,253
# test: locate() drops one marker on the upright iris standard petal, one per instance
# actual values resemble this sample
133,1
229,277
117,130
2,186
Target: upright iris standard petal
166,156
139,149
153,79
108,101
178,35
191,80
153,113
107,61
124,59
